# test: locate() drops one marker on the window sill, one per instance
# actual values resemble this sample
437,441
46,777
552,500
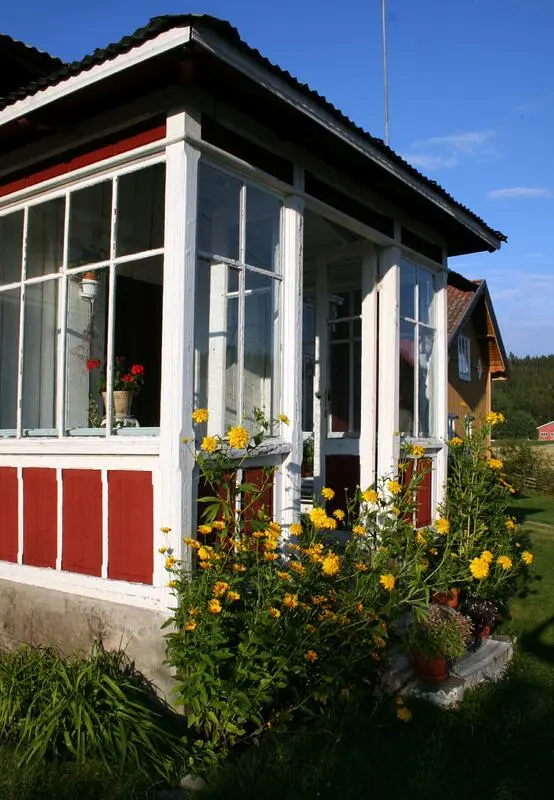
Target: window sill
431,444
80,445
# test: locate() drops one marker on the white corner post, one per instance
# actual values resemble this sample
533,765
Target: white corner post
176,460
441,458
388,439
368,428
288,481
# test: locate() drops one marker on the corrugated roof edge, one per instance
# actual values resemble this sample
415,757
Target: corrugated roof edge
161,24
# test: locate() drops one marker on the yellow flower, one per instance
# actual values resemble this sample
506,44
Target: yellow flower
510,524
190,625
339,514
194,543
359,608
295,529
170,562
271,556
311,656
370,496
214,607
394,487
417,450
404,714
310,628
209,444
487,556
219,525
233,596
329,523
442,526
479,568
359,530
200,415
220,588
238,437
527,557
162,549
331,564
387,582
239,568
204,553
318,517
297,567
171,584
290,600
494,417
359,566
505,562
205,529
274,528
433,551
284,419
327,493
284,576
495,463
318,599
270,545
194,611
275,613
456,441
420,537
165,530
379,642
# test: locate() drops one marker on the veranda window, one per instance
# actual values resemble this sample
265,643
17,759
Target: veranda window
81,279
417,351
238,282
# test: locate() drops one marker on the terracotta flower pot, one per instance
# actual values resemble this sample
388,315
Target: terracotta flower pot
449,598
430,670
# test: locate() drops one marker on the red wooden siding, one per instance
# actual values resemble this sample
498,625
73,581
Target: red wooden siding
424,490
82,521
40,517
342,474
8,514
262,479
130,526
84,159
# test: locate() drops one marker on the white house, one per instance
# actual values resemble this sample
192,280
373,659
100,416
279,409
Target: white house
177,200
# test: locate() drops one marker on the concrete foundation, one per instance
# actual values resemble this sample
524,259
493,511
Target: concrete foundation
32,615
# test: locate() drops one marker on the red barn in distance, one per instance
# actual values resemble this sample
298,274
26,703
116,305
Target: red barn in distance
545,432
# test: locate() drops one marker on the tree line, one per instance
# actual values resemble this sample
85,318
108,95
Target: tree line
527,398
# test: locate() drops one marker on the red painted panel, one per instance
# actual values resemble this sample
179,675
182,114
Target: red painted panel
8,514
82,521
130,526
262,479
423,514
92,156
342,474
40,517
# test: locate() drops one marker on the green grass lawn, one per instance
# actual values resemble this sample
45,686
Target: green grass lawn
498,746
539,508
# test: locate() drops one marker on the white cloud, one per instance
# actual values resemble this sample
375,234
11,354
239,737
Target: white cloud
440,152
518,192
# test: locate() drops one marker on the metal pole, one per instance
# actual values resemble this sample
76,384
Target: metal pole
385,67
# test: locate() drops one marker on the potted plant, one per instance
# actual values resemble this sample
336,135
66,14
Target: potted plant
126,381
441,634
484,615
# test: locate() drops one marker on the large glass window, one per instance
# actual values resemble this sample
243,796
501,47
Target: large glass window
237,299
417,348
84,273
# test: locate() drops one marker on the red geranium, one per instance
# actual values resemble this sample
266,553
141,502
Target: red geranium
137,369
124,378
93,363
128,379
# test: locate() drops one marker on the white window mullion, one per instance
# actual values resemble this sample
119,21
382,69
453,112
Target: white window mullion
241,308
111,313
21,326
62,327
416,358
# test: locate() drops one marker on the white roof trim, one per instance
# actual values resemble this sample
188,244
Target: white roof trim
544,424
161,44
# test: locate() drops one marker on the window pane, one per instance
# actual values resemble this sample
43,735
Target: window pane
39,355
426,382
426,295
308,364
9,352
11,246
218,213
260,328
45,238
407,377
87,310
407,290
140,210
138,342
263,213
89,224
339,383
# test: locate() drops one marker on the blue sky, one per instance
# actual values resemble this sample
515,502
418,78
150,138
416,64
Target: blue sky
471,104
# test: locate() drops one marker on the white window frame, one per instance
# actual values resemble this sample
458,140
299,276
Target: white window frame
464,358
64,274
216,422
430,327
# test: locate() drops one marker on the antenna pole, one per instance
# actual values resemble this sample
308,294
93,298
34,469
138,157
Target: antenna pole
385,67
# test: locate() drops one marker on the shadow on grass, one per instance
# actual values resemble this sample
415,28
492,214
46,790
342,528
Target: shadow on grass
498,746
531,641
